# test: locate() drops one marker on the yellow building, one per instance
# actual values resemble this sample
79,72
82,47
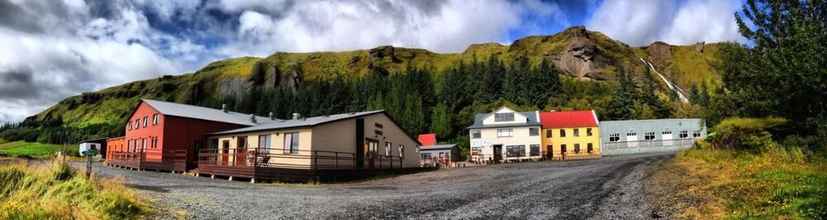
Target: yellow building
570,135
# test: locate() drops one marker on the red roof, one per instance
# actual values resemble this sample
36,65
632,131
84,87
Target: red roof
427,139
568,119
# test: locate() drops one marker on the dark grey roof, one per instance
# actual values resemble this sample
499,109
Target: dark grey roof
531,119
437,147
204,113
304,122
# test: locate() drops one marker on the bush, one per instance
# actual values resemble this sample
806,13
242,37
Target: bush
745,133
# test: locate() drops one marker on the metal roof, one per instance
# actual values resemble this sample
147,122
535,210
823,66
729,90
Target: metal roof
568,119
437,147
204,113
531,120
303,122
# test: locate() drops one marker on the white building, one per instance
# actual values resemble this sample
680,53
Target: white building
505,135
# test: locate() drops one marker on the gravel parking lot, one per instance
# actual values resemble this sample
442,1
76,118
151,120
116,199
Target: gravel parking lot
608,188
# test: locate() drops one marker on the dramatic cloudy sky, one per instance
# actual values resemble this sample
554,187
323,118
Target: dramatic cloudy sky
51,49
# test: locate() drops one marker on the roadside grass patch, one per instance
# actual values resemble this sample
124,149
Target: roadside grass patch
778,183
58,192
33,150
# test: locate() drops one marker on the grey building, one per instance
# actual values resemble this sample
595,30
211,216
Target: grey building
645,136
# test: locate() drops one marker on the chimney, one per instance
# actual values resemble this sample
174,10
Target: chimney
253,118
272,116
224,108
296,116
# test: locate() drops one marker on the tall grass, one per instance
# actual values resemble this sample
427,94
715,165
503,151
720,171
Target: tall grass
58,192
777,183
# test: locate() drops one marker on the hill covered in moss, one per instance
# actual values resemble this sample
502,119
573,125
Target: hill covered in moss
584,58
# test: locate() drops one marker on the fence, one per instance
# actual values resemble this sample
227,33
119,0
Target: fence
296,159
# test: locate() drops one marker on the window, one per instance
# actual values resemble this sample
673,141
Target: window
388,146
135,124
562,132
533,131
684,134
443,155
534,150
504,132
475,134
128,125
614,137
589,148
577,132
548,133
146,120
498,117
264,142
576,148
667,132
291,142
426,156
589,132
649,136
476,150
143,143
631,133
156,118
515,151
401,151
696,134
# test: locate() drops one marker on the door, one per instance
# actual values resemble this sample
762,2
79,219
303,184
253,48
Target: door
225,152
563,150
241,152
371,152
498,153
549,151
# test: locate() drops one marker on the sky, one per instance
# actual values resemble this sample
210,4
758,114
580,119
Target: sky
52,49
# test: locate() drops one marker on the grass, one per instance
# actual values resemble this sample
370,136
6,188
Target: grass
778,183
33,150
57,192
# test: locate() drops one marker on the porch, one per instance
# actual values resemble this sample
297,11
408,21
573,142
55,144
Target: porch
175,160
277,164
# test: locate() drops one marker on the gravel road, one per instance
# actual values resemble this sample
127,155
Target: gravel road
608,188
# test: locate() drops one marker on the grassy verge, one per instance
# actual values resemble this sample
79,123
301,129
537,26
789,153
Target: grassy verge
57,192
776,183
33,150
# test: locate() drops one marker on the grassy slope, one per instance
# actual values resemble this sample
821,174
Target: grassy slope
112,105
57,192
726,184
34,150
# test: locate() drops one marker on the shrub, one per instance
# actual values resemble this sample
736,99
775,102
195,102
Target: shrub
745,133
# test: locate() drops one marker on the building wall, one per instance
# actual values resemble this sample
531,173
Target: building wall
276,153
556,141
392,133
114,145
140,138
520,136
637,143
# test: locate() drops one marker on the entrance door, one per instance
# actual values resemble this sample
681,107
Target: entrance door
498,153
563,150
241,152
371,152
225,152
549,151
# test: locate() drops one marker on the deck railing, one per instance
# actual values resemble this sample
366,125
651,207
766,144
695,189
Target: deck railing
137,159
296,159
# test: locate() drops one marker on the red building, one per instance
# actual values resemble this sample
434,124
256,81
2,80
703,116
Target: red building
165,136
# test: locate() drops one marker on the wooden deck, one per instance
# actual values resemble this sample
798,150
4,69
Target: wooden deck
171,161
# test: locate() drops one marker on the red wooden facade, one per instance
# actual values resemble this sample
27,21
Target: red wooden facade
164,142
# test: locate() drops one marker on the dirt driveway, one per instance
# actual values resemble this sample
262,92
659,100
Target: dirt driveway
608,188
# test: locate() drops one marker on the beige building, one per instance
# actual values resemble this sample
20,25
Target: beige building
362,140
505,135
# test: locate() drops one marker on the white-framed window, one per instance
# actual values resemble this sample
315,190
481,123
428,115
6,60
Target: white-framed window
135,124
589,132
509,116
548,133
649,136
401,151
684,134
476,150
534,150
562,132
696,134
426,156
515,151
504,132
576,148
533,131
291,142
577,132
667,132
264,142
156,118
146,120
388,146
475,134
614,137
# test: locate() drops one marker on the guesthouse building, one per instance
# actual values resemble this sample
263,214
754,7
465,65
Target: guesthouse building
570,135
505,135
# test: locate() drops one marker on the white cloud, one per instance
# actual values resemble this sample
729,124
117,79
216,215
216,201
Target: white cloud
641,22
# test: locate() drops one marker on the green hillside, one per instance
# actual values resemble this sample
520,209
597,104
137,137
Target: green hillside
587,58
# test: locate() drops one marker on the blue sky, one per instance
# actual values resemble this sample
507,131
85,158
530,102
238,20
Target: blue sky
53,49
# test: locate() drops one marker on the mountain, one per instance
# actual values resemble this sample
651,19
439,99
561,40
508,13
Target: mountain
580,54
